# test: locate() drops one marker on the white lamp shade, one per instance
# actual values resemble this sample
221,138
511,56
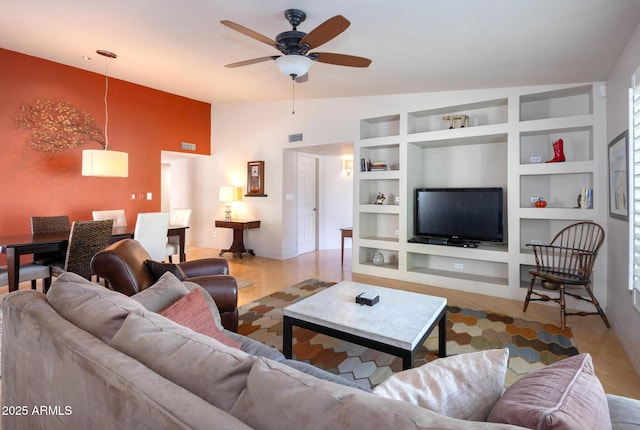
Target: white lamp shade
100,162
226,194
294,65
348,165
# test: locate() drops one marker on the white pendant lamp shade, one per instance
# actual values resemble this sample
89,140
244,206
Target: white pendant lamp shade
294,65
100,162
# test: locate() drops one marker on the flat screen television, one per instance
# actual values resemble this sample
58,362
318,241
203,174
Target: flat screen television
460,214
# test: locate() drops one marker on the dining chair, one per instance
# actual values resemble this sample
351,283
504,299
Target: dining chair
87,238
566,265
151,231
29,272
49,224
179,217
117,215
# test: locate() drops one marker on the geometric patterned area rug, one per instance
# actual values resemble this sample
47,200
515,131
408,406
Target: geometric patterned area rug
532,345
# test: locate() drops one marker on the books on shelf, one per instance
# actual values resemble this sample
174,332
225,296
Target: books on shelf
367,166
379,165
586,198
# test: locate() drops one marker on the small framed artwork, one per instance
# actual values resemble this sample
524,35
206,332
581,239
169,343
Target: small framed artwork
255,179
618,177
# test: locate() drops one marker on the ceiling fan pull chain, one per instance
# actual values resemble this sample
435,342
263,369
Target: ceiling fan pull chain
293,95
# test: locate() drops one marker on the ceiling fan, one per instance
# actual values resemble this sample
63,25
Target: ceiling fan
295,45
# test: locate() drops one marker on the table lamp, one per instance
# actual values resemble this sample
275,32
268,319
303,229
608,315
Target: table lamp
226,196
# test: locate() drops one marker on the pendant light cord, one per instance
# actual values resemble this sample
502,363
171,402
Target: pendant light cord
106,105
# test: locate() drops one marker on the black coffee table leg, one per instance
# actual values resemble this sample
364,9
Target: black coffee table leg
287,337
442,334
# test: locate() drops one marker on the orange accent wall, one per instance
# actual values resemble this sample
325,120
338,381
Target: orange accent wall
142,122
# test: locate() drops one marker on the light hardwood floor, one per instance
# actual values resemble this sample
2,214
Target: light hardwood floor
611,363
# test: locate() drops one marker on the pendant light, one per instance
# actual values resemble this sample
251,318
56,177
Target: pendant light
102,162
296,66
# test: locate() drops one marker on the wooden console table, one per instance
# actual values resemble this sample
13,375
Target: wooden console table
238,226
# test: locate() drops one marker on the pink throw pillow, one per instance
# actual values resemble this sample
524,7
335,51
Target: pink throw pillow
565,395
192,311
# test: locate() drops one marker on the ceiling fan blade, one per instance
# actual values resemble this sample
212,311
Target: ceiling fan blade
252,61
248,32
340,59
325,31
301,79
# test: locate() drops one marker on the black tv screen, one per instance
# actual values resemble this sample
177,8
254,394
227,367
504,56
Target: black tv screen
466,214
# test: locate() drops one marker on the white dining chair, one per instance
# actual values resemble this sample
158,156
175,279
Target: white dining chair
151,231
179,217
117,215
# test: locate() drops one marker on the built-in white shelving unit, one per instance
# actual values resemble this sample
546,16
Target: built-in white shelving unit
506,143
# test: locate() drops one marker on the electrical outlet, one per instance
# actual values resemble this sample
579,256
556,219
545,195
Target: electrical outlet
536,242
397,232
149,196
535,159
458,266
133,196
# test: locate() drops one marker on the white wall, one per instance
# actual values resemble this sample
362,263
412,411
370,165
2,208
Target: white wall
259,131
177,188
336,197
165,187
624,318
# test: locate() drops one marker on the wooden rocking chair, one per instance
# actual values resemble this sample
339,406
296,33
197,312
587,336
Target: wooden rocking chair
566,263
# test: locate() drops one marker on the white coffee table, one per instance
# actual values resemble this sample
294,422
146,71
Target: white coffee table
398,324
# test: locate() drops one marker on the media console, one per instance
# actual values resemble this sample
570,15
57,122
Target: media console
445,242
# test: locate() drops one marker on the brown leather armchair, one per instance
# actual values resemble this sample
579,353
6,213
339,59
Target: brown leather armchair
122,265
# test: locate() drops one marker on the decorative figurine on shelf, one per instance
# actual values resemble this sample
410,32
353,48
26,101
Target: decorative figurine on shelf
540,203
380,199
464,120
558,152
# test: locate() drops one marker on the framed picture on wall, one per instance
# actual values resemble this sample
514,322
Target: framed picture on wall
618,177
255,179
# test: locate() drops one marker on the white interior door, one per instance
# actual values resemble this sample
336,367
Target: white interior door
307,203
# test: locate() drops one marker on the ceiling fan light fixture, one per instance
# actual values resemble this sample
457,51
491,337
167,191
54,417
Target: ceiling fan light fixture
294,65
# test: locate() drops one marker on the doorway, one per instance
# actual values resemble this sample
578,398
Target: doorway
307,191
334,195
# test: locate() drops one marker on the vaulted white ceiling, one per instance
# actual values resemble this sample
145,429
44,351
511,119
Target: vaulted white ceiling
416,45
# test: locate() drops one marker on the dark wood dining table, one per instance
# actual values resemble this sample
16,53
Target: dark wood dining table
23,244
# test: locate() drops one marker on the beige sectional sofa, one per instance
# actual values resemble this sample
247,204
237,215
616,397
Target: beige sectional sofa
86,357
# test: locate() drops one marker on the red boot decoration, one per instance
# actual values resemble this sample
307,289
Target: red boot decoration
558,152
